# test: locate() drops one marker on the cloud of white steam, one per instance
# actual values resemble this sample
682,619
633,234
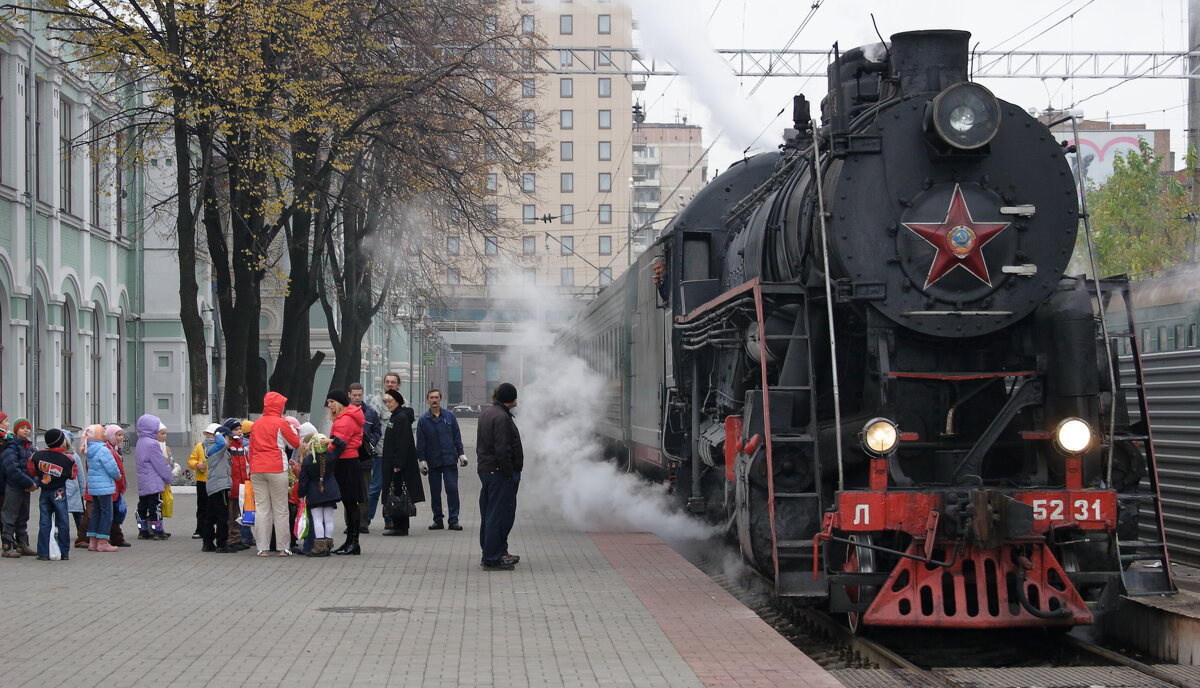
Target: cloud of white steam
673,30
565,472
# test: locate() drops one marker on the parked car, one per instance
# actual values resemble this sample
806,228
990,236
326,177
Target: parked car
464,410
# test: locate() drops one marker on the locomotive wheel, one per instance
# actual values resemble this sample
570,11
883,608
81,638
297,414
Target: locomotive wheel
859,560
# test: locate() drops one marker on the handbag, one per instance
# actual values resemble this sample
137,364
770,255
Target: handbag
399,506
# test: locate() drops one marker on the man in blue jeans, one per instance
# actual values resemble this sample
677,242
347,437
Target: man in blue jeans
440,453
501,457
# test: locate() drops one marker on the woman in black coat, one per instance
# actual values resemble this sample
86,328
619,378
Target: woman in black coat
400,458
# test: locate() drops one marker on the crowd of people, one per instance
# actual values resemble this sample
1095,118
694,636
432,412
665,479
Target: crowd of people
272,484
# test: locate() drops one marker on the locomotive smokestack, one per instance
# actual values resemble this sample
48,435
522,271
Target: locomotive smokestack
930,61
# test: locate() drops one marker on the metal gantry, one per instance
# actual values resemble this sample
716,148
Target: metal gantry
1039,64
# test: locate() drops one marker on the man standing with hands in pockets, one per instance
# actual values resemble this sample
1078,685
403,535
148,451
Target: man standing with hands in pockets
501,457
440,454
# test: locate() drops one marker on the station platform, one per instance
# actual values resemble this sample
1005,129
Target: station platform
581,609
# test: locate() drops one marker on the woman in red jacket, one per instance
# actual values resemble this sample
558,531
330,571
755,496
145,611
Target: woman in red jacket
269,442
344,440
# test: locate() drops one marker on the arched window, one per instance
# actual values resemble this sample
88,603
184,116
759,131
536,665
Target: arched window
119,413
97,359
70,328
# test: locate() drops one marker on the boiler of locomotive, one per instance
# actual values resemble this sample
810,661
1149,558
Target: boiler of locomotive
953,213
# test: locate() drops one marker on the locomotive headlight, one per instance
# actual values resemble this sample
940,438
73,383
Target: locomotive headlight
1073,435
879,436
966,115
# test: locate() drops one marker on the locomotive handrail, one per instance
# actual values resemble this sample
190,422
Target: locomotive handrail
696,312
1108,357
837,393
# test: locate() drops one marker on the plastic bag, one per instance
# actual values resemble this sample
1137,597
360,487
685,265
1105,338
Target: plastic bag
168,502
301,527
247,499
55,552
119,510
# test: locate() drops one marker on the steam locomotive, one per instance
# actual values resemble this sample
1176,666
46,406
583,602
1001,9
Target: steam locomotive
864,360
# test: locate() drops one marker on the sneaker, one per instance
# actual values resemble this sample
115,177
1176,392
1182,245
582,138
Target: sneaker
497,566
436,525
12,553
196,536
454,526
511,558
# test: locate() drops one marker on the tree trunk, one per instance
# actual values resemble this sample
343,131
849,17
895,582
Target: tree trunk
185,228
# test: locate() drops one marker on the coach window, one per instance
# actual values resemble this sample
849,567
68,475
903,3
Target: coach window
1162,338
1191,335
1178,343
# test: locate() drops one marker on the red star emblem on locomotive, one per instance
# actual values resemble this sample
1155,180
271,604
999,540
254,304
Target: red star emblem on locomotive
958,240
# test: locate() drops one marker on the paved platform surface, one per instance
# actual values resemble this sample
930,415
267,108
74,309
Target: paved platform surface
601,609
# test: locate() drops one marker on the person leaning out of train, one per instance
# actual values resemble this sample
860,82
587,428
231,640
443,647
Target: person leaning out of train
658,268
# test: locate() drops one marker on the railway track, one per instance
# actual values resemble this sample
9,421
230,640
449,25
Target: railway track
983,659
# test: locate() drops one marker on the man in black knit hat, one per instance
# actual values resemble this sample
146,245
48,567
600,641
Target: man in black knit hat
501,457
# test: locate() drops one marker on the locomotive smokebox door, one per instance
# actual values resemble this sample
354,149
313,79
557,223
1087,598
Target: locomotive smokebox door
954,243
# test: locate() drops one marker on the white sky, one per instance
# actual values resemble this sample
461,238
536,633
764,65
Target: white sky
1102,25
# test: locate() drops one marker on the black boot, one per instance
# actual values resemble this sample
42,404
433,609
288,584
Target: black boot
345,545
351,546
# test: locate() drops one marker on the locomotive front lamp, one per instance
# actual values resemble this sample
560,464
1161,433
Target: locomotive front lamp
880,436
966,115
1073,436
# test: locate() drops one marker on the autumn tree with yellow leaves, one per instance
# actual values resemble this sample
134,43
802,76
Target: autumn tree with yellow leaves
329,124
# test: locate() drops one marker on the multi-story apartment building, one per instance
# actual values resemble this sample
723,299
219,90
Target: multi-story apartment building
536,277
669,167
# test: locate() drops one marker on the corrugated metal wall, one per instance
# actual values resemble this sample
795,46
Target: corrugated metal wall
1173,390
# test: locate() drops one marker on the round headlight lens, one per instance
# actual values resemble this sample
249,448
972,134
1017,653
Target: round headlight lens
880,436
966,115
1073,435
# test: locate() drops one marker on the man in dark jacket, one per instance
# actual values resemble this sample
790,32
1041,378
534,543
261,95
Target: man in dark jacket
439,441
501,457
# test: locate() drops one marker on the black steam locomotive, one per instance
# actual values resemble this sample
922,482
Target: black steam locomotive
864,360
